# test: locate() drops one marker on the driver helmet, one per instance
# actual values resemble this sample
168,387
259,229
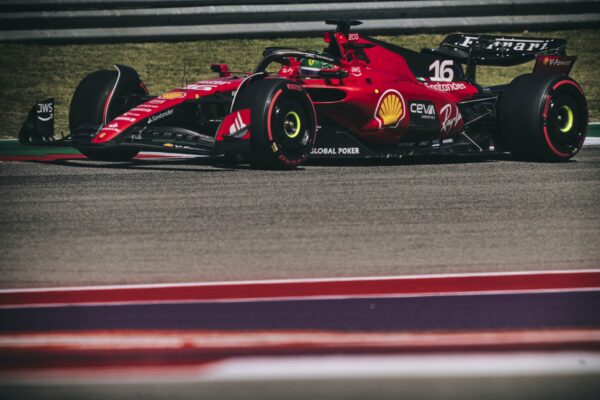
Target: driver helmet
312,67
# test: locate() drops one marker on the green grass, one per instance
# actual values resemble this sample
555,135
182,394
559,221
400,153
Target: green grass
30,72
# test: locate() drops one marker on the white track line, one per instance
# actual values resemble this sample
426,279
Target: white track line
591,141
290,368
299,280
203,340
300,298
455,365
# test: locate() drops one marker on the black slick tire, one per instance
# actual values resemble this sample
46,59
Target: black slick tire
87,113
543,117
283,123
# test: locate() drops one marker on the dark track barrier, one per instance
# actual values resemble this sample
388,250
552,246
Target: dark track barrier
76,21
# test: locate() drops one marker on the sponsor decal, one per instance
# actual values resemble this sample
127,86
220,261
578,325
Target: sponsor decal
442,71
173,95
293,86
509,43
423,110
111,127
156,101
323,58
335,151
287,161
553,64
235,125
161,115
353,37
390,109
211,82
168,145
142,109
131,114
355,71
446,87
123,118
450,117
238,128
289,70
205,86
45,111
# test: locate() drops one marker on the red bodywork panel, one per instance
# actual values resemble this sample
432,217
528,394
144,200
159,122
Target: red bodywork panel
374,101
370,85
155,109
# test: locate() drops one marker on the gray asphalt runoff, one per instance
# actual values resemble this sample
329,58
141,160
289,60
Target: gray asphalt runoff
80,222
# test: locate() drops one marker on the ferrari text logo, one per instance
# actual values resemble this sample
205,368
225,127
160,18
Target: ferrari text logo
390,109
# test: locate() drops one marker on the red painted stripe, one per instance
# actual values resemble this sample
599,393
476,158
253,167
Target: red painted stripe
173,348
47,157
551,146
218,339
567,82
398,286
273,100
55,157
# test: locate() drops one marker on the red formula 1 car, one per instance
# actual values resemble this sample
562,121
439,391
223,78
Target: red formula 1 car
359,98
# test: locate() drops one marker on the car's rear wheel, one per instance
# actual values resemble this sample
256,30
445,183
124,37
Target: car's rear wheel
283,123
86,114
543,117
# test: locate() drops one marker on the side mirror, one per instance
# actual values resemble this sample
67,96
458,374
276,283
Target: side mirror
221,69
333,73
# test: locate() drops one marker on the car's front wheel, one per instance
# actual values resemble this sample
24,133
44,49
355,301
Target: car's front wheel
283,123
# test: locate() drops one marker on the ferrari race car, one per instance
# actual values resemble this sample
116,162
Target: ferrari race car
359,98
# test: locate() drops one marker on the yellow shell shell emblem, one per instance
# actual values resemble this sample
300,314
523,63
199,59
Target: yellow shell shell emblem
390,109
173,95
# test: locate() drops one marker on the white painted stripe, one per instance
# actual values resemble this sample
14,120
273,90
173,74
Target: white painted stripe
172,155
301,280
457,365
418,366
173,340
591,140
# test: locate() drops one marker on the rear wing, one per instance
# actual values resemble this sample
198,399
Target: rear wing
473,49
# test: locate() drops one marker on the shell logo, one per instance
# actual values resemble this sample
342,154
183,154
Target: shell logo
390,109
173,95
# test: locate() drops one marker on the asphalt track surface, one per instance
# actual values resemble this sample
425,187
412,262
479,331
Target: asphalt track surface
78,222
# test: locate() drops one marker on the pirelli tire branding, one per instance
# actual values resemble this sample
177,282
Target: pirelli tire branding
290,126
